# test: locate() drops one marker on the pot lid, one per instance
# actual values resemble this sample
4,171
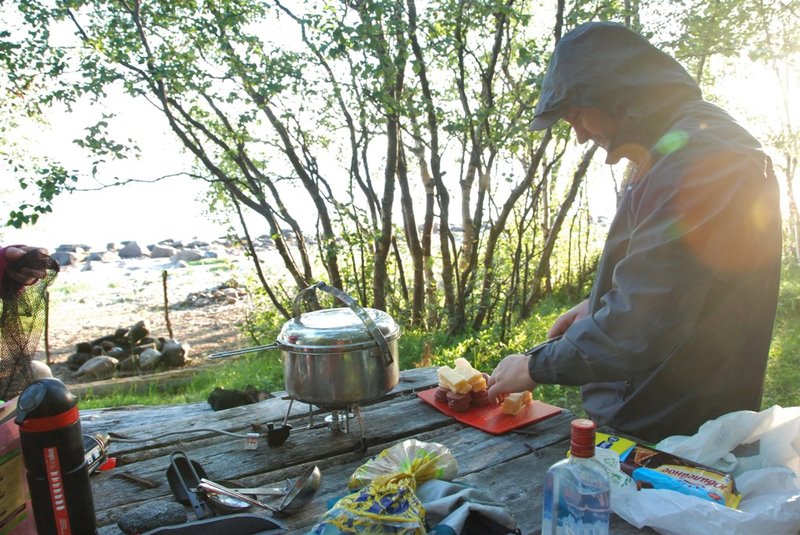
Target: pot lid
335,327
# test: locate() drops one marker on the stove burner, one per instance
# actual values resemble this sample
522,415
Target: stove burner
337,421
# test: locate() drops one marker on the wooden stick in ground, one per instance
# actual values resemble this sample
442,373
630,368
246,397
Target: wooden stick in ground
47,326
166,303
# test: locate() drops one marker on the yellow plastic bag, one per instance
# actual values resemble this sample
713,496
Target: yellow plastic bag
387,502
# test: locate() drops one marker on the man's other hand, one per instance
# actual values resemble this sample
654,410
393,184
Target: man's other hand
579,311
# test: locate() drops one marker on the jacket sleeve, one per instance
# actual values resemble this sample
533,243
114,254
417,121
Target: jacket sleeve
693,224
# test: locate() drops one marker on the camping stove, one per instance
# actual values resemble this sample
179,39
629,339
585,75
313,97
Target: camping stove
338,421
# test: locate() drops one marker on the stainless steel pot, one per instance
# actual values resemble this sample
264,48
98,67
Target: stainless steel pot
336,357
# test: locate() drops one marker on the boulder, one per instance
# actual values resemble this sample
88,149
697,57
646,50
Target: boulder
131,249
79,248
103,256
76,360
102,367
40,370
163,251
66,258
137,332
187,255
117,352
130,364
178,244
174,353
149,358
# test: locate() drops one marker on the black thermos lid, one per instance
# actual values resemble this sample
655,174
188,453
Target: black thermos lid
44,398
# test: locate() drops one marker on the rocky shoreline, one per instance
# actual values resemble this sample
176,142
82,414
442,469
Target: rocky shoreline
97,293
175,251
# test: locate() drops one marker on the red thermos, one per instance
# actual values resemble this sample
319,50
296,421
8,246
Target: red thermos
55,463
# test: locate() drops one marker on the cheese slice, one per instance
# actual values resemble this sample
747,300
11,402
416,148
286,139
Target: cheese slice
479,386
514,403
450,378
465,368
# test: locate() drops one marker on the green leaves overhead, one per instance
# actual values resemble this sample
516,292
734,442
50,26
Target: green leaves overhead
375,125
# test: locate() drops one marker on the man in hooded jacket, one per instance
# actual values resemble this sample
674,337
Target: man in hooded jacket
677,328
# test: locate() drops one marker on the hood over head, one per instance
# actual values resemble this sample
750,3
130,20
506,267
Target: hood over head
604,65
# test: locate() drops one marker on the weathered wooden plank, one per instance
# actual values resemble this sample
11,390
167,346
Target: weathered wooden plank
473,449
141,422
222,457
327,449
509,468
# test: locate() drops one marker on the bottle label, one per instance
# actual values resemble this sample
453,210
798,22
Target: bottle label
57,497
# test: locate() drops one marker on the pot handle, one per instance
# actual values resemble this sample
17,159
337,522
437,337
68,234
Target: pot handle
362,314
255,349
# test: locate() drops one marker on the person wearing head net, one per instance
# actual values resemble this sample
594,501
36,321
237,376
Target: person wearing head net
11,270
25,274
677,327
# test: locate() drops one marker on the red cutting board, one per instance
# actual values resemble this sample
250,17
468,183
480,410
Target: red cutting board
490,418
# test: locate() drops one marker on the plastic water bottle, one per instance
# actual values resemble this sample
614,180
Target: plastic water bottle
576,489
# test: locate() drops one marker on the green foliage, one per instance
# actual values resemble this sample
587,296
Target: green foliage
294,126
484,350
783,371
47,181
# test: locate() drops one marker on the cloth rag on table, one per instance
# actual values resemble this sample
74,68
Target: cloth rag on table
445,508
456,509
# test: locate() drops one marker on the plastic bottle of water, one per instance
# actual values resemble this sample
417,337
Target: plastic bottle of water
576,491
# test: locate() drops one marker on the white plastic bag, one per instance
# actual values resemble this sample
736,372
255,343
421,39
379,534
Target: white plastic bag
761,450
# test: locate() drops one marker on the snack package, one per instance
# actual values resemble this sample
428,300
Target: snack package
387,502
651,468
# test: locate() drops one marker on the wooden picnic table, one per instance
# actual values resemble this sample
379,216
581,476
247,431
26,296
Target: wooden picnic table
509,467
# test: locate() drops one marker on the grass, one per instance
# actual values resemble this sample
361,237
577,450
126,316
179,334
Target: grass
417,348
262,370
782,386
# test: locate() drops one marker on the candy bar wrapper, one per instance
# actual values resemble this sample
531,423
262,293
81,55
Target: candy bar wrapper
651,468
386,502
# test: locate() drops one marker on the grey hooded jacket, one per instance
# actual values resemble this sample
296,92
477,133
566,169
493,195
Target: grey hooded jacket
684,301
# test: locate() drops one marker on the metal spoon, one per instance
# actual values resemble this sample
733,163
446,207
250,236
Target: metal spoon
303,490
209,487
264,491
